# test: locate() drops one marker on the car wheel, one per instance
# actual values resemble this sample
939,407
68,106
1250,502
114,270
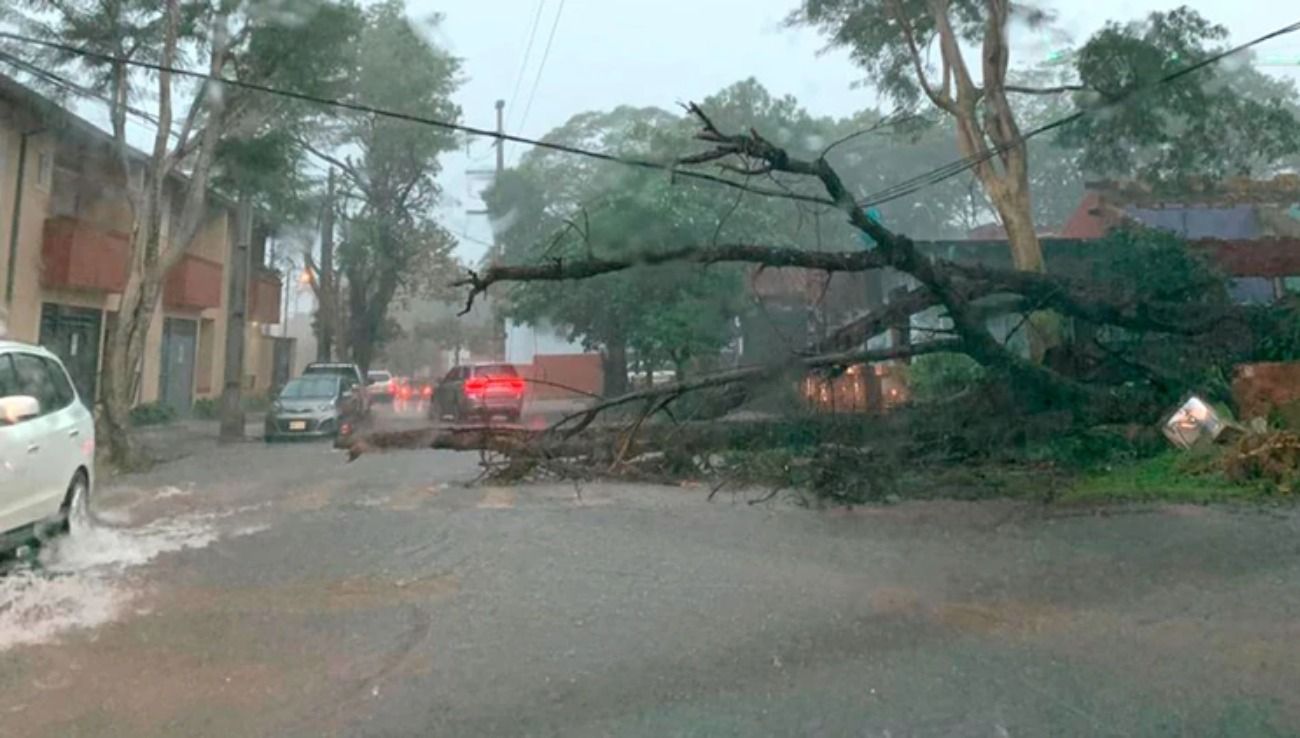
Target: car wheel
76,503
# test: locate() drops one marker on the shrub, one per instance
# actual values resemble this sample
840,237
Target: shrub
937,376
206,408
256,403
152,413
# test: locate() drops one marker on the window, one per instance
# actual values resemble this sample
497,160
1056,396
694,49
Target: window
496,370
8,378
63,392
44,170
34,380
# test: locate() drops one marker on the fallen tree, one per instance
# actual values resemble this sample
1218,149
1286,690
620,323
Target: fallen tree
966,294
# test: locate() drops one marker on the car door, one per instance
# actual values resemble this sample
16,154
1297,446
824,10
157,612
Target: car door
17,485
447,391
349,404
72,442
44,442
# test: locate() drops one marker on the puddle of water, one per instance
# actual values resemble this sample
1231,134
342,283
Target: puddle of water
166,492
77,581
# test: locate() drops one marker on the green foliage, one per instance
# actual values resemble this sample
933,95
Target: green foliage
392,245
152,413
206,408
258,403
868,29
1171,476
1225,119
1280,337
937,376
556,207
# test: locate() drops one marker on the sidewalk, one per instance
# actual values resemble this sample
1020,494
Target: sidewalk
181,438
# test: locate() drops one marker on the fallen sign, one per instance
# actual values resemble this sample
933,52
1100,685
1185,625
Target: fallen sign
1193,423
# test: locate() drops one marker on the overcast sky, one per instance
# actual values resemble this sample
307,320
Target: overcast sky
659,52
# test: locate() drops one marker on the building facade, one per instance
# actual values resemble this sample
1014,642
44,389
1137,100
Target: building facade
66,224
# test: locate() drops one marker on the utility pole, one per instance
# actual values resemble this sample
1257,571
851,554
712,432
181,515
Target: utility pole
499,323
325,314
501,142
232,411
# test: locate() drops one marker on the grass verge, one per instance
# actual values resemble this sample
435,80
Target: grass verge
1170,476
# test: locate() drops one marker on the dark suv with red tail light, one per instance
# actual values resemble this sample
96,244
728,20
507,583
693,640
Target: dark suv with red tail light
480,391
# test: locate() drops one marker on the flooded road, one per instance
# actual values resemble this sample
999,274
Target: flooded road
258,590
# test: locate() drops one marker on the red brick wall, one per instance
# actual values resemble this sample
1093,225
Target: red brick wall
1259,388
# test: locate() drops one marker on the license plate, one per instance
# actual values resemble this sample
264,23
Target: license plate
297,425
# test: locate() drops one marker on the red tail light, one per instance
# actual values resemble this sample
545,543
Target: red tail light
426,392
479,385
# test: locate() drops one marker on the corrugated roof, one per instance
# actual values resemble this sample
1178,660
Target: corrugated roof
1197,221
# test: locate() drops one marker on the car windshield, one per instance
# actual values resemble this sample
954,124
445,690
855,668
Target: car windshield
309,387
339,370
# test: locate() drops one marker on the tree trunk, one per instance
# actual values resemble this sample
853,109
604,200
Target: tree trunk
614,363
1018,219
326,317
123,366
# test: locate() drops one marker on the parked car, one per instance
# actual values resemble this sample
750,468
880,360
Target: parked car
380,385
313,406
47,445
479,391
349,372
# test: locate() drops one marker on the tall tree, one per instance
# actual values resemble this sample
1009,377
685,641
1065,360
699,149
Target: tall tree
892,40
389,171
1226,120
295,48
555,207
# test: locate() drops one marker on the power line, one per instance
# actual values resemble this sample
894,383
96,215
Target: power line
528,50
412,118
958,166
546,54
894,192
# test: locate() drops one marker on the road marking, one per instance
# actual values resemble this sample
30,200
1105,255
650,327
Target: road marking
497,498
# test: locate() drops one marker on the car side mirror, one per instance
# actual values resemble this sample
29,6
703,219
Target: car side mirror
17,408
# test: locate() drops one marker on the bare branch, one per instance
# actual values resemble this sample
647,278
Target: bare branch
1019,89
560,270
941,98
752,374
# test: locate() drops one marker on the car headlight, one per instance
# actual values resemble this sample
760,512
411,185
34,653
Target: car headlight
276,406
326,406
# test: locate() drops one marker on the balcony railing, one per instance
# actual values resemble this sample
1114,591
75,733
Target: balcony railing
264,291
78,255
195,283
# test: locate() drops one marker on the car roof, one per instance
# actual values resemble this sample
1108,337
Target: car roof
7,346
317,378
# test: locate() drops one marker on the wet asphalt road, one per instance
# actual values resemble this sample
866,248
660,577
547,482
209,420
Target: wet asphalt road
276,591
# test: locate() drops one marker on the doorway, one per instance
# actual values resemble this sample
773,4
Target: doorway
72,334
179,345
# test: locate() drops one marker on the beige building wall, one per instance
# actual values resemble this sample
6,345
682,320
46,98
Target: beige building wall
64,177
25,306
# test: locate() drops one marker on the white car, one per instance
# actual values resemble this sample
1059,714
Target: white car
47,444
